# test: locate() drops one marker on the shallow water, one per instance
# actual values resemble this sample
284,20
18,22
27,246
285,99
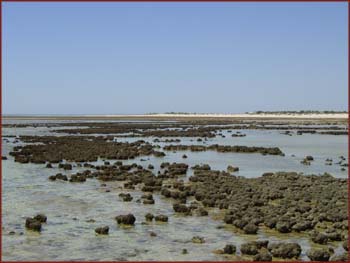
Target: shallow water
68,236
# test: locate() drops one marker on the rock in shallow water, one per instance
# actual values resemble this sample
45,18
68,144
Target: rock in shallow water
319,238
149,217
250,229
41,218
285,250
128,219
33,224
161,218
198,240
249,248
126,197
230,249
253,247
319,254
342,257
181,208
152,234
283,227
102,230
262,256
232,169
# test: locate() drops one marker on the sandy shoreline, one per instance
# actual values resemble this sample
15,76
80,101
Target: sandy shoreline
336,116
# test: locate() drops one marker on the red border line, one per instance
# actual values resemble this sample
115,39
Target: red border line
348,129
1,128
295,261
101,1
148,1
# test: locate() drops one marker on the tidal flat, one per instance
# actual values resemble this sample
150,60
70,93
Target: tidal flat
174,189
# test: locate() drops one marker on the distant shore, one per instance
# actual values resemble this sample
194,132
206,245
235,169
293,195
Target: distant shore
161,116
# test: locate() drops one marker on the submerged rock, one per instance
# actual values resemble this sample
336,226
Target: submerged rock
232,169
102,230
201,212
65,166
33,224
126,197
58,176
309,158
263,256
253,247
230,249
283,227
319,254
161,218
181,208
148,202
302,226
319,238
152,234
250,229
249,248
149,217
128,219
285,250
198,240
343,257
77,178
41,218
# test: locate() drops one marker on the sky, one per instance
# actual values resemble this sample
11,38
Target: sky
134,58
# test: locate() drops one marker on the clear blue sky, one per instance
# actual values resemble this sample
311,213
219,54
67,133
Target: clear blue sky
104,58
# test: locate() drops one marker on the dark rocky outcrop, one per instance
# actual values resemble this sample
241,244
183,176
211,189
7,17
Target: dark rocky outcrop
35,222
128,219
102,230
161,218
319,254
285,250
230,249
